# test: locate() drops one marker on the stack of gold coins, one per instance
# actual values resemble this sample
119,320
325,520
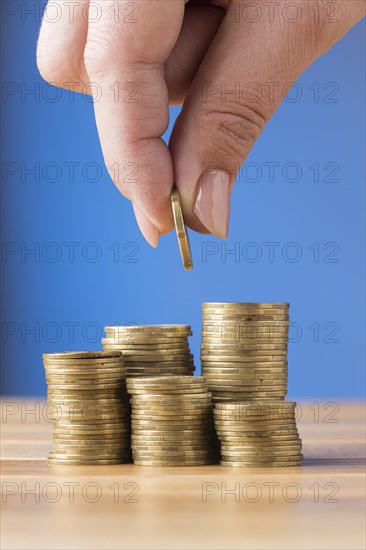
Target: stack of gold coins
244,350
261,433
171,421
152,350
88,401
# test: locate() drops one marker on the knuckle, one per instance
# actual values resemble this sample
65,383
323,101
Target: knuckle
232,131
101,49
58,67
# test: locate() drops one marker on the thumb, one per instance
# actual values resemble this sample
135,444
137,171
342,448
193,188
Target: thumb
245,74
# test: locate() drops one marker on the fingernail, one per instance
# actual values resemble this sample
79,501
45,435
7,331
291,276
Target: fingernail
147,228
212,204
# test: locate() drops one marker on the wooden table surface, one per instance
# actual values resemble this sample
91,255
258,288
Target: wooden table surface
318,505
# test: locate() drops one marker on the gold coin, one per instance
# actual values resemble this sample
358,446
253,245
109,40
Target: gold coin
91,462
230,422
72,416
242,390
182,234
158,430
246,429
246,369
221,332
233,320
269,440
157,352
258,405
154,358
93,408
79,355
259,465
172,456
247,379
118,377
88,454
89,383
227,341
171,412
146,339
241,346
269,305
148,328
168,448
156,365
290,433
240,394
254,354
170,463
258,452
248,398
249,350
79,387
177,380
139,371
172,399
236,313
292,444
87,448
214,328
268,458
115,371
257,421
172,425
171,437
170,392
262,409
88,459
249,370
252,357
85,363
237,457
115,427
168,381
143,374
184,370
85,397
204,405
136,347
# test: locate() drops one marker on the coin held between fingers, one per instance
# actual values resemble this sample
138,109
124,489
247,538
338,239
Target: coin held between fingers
182,235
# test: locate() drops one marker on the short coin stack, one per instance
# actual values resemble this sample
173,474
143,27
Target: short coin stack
89,405
171,421
244,350
152,350
257,434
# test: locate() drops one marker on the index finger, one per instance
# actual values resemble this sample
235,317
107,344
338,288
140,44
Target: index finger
126,49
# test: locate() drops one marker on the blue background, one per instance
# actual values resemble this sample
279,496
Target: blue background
148,286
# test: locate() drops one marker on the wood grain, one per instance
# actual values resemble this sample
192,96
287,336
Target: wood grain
319,505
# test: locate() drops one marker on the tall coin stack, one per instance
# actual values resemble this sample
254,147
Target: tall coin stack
89,404
152,350
261,433
244,350
171,421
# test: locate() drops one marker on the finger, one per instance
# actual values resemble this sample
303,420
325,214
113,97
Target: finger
125,58
239,85
200,25
60,49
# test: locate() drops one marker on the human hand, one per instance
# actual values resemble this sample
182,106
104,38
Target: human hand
229,61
